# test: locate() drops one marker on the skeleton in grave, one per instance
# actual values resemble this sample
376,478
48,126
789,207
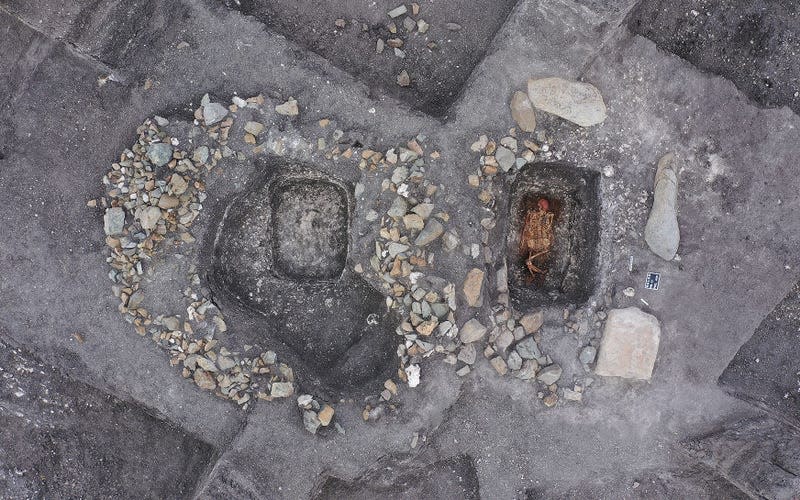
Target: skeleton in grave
537,235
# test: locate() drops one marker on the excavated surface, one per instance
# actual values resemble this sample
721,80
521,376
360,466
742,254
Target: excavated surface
78,78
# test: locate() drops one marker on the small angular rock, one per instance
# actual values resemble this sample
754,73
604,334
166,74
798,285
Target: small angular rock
289,108
114,221
472,331
549,374
397,11
403,79
499,364
213,112
433,229
522,112
473,288
528,348
159,153
532,322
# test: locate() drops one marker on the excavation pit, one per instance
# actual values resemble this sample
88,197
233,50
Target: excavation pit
309,228
552,236
438,60
279,270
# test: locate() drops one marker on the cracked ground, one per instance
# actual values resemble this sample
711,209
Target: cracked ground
96,405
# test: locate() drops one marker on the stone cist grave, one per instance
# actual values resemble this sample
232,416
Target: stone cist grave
564,270
279,259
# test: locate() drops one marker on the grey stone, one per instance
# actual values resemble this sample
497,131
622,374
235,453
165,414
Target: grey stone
206,364
311,421
225,363
269,357
397,11
135,299
400,174
395,248
468,354
505,158
505,339
114,220
514,361
281,389
472,331
528,370
398,208
149,217
200,154
403,79
254,128
662,233
450,241
549,374
213,112
588,354
522,112
424,210
433,229
578,102
528,348
159,153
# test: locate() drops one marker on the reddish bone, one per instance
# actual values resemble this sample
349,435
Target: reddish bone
537,235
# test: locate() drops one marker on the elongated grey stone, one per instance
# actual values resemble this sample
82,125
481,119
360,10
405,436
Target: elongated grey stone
661,232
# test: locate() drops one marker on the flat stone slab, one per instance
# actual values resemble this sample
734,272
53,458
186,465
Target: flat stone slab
578,102
630,344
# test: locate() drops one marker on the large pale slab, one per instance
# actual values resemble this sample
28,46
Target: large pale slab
578,102
630,344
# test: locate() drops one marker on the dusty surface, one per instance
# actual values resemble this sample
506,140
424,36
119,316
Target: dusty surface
64,119
64,439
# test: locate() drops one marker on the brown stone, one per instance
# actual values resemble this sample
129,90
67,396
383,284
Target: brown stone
325,415
473,287
204,380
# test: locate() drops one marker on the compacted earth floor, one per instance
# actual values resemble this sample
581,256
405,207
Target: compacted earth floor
262,248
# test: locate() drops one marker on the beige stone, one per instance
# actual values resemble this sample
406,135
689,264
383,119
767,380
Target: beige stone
532,322
325,415
473,287
499,365
472,331
630,344
522,112
578,102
